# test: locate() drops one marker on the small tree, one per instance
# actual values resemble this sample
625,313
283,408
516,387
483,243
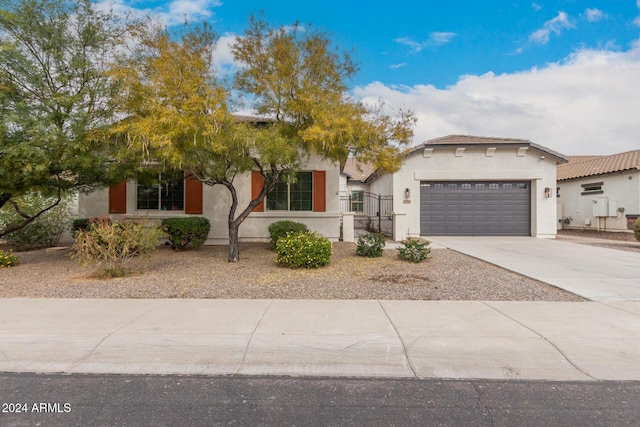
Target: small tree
178,112
54,99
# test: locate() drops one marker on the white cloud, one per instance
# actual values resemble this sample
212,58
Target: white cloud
394,66
172,13
440,38
536,7
587,104
555,25
594,15
437,38
223,61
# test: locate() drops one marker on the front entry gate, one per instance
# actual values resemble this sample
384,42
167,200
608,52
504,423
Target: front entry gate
372,212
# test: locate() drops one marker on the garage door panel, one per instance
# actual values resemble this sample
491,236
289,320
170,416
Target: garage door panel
475,208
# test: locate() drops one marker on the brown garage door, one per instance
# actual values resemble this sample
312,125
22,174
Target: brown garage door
471,208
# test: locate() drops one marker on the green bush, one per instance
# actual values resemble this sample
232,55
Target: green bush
8,259
44,231
414,250
308,250
636,229
113,244
280,229
182,231
370,245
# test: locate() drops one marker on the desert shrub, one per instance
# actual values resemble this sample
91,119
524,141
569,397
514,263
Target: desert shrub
182,231
44,231
308,250
113,244
636,229
280,229
82,223
413,250
370,245
8,259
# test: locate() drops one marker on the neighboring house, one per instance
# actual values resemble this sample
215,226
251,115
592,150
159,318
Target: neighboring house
313,200
599,192
462,185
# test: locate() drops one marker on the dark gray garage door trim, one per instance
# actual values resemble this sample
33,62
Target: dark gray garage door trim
475,208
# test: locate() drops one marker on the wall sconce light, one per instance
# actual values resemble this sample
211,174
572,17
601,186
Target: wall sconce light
547,192
407,193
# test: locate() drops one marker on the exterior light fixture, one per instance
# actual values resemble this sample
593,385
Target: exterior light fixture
407,193
547,192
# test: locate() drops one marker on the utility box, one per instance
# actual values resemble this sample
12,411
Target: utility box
613,208
600,207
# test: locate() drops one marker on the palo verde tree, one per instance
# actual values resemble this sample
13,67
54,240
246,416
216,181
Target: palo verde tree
54,99
177,112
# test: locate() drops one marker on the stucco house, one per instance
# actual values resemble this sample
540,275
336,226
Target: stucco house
599,192
464,185
313,199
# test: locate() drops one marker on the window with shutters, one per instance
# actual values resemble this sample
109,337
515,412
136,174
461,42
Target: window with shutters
162,191
292,196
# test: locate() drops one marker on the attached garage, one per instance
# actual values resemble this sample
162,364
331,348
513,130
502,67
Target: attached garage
462,185
475,208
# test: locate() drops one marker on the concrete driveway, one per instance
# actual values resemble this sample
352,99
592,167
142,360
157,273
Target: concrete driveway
595,273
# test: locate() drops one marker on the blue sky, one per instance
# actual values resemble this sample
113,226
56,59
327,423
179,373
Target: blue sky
563,73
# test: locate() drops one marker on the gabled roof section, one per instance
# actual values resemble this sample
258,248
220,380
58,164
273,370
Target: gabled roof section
356,170
482,141
583,166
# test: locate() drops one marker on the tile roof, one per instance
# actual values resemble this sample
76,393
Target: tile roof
469,140
582,166
357,170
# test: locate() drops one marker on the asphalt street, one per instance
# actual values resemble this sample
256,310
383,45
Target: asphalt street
157,400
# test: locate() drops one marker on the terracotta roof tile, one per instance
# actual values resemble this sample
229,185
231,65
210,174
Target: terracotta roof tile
582,166
357,170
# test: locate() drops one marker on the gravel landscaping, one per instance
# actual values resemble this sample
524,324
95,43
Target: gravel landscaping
205,273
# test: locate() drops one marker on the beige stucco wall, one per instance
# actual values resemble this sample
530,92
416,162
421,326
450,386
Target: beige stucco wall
217,200
621,190
505,163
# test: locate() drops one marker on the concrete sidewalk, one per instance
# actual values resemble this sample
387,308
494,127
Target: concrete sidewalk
596,273
424,339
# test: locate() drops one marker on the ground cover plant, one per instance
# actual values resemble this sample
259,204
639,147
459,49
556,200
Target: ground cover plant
414,250
303,250
280,229
370,245
8,259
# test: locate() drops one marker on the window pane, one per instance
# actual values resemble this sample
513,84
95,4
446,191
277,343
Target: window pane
163,191
148,191
301,192
172,191
277,199
357,201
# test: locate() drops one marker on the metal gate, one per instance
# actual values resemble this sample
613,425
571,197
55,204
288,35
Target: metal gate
372,212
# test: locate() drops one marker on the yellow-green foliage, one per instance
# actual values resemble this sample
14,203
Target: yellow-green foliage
7,259
636,229
308,250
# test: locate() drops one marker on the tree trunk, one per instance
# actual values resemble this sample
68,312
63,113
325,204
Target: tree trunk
234,249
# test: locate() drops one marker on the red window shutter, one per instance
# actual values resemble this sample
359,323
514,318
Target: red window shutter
319,191
257,182
192,196
118,198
